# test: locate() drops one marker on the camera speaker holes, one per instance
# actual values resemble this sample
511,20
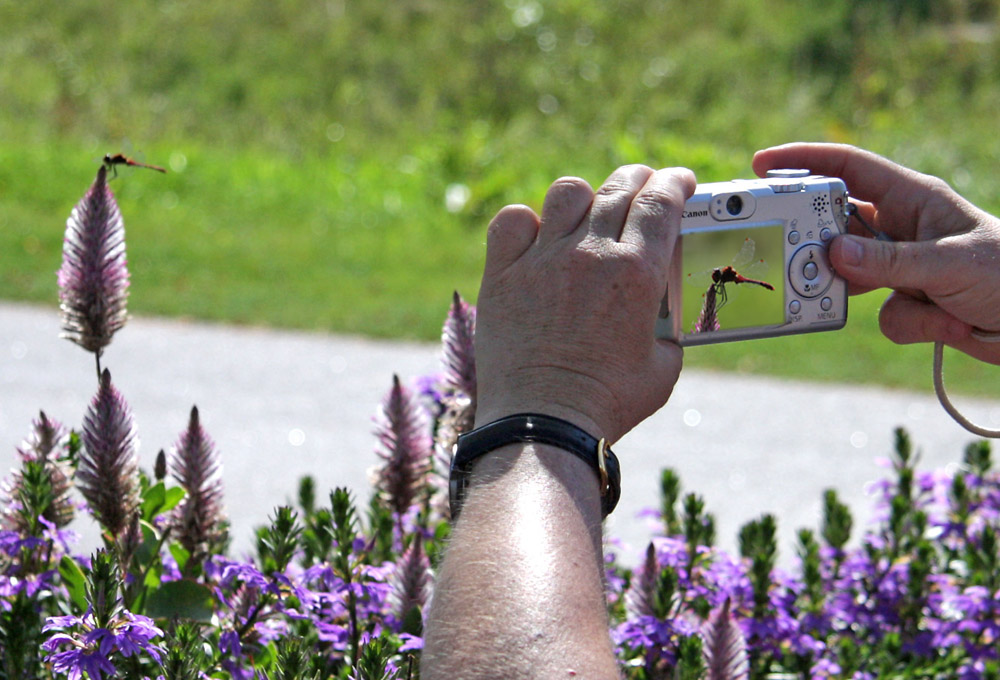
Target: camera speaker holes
821,203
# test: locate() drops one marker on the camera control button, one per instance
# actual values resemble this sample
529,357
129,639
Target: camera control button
825,235
794,306
793,237
809,271
826,303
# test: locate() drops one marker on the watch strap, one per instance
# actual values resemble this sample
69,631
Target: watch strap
540,429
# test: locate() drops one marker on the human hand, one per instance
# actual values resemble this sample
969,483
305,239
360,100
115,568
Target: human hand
568,302
943,263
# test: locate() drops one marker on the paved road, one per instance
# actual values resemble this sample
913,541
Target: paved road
283,404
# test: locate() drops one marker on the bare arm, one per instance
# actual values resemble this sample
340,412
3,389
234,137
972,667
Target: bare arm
564,328
521,593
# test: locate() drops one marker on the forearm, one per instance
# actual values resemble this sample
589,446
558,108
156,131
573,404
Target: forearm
520,592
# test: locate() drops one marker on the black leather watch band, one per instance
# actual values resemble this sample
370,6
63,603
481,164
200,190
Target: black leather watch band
531,427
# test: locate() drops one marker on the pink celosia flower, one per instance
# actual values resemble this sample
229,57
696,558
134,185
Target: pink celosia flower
94,278
404,444
108,475
194,463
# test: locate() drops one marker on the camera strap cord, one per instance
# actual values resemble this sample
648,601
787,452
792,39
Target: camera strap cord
943,396
978,334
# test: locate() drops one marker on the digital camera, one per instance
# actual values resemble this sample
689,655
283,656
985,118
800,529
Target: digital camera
751,261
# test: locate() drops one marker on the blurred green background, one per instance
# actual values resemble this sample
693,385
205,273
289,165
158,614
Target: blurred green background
334,164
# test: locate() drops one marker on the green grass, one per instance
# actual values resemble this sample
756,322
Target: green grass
310,146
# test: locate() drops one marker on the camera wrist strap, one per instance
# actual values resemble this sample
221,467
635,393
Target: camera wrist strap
946,402
982,336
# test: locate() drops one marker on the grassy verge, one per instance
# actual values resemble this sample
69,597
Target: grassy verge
312,147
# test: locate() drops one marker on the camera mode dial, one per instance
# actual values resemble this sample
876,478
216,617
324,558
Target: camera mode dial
788,173
809,271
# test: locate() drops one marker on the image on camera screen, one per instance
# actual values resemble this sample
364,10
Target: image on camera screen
733,278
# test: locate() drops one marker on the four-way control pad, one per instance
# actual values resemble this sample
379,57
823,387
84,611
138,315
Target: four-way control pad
809,270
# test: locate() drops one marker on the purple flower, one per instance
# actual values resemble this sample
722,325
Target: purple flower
108,476
94,278
194,462
79,662
410,643
91,648
404,444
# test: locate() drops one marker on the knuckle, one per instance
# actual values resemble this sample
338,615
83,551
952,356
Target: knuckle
896,259
613,188
937,185
658,202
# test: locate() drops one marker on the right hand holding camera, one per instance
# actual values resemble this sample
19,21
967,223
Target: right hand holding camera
569,299
944,258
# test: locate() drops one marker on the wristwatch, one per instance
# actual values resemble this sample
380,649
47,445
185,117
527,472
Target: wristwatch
541,429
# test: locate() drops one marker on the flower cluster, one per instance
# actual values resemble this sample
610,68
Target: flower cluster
334,592
919,595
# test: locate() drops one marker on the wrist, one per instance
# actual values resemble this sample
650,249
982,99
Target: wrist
535,429
485,416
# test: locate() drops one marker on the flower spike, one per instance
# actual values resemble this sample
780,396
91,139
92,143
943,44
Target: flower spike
108,476
194,463
94,277
404,444
458,336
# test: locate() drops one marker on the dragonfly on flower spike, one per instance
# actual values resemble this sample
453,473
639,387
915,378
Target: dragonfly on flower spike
112,161
716,297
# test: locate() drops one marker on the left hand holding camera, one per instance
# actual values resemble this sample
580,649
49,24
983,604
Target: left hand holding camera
569,300
944,258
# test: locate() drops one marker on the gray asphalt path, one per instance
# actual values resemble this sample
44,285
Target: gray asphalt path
284,404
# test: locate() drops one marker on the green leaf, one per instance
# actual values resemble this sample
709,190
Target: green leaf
158,499
182,599
150,540
152,500
173,497
152,580
75,581
181,554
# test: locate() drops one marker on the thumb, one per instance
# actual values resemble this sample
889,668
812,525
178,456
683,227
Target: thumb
884,264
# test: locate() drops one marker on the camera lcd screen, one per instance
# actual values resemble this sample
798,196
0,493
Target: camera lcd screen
733,278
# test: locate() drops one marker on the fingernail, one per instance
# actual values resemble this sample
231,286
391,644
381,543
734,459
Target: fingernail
852,250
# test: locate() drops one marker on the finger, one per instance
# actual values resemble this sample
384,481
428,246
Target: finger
927,266
613,200
654,218
566,204
906,320
869,176
866,214
511,233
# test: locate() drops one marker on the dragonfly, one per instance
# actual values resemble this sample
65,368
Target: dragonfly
112,161
716,296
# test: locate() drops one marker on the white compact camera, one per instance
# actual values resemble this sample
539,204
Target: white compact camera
752,260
